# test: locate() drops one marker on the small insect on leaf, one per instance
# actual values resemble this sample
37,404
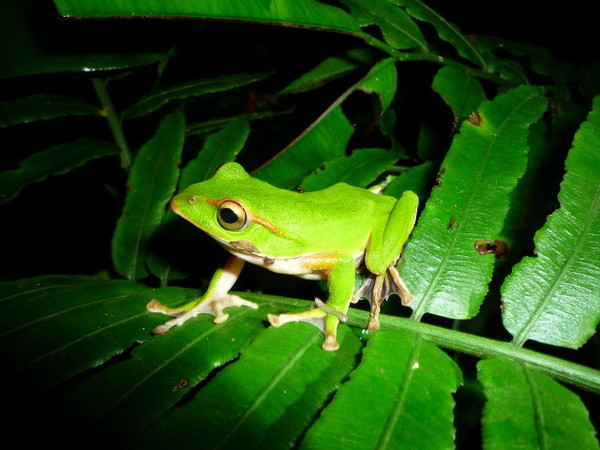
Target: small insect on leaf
498,248
452,224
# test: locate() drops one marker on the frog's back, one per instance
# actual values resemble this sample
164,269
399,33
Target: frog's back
344,215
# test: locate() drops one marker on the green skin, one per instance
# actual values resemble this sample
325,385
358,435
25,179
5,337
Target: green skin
327,235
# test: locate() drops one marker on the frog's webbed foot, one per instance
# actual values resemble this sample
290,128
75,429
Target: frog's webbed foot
213,306
322,317
377,288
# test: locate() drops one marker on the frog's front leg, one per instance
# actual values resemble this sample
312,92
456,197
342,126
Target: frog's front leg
214,301
340,282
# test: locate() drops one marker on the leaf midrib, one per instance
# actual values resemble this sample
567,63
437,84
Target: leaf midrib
424,303
404,387
520,338
166,362
286,368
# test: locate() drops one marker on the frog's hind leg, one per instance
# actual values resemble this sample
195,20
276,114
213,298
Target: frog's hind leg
327,316
377,288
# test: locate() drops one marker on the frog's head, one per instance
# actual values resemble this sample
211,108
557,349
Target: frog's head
236,210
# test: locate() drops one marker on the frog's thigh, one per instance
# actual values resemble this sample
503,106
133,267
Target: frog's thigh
340,281
388,238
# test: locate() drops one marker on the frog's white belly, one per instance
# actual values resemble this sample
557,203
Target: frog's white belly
305,266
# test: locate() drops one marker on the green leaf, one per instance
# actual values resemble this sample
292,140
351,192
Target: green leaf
57,160
526,409
462,92
554,297
43,107
309,150
160,373
219,148
151,184
304,13
316,144
398,29
60,326
37,46
382,80
388,124
267,398
400,393
195,88
329,69
417,179
541,62
441,266
509,69
446,30
359,169
167,389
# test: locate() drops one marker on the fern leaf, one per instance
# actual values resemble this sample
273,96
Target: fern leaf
555,297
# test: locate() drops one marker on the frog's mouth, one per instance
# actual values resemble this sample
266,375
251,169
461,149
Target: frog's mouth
245,250
243,247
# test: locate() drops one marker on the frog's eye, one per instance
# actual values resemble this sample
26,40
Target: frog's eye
232,216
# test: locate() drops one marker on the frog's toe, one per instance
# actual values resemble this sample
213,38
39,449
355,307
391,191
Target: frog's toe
213,306
325,322
330,344
315,317
155,306
216,306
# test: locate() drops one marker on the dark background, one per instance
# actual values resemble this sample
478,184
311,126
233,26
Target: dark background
65,224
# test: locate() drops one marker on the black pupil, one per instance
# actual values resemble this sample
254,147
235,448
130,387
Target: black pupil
228,215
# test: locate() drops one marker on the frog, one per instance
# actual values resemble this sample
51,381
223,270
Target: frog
330,234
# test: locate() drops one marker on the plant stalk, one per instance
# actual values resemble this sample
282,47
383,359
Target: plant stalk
565,371
114,122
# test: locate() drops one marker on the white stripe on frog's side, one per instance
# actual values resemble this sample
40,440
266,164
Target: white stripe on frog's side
299,266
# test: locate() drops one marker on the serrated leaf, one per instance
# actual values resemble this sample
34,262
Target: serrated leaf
60,326
398,29
155,100
315,145
417,179
56,160
382,80
543,63
37,44
43,107
441,266
329,69
555,297
462,92
305,13
309,150
151,184
160,373
509,69
526,409
359,169
399,393
267,398
219,148
446,30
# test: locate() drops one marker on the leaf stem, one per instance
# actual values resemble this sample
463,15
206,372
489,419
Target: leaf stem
563,370
114,122
403,56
